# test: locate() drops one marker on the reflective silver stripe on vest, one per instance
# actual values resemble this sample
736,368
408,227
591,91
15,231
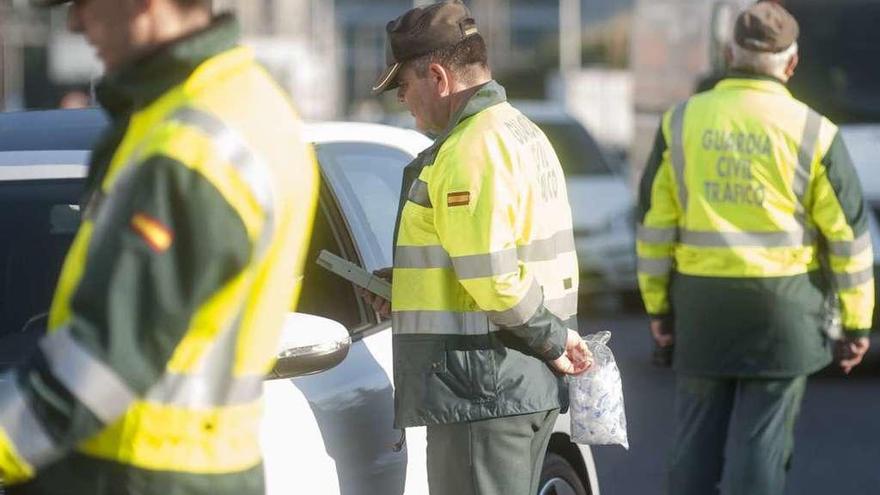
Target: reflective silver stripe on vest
30,439
676,152
657,235
418,193
747,239
563,307
806,151
522,311
441,323
89,379
486,265
423,257
196,391
547,249
426,257
851,280
655,266
232,148
851,248
212,383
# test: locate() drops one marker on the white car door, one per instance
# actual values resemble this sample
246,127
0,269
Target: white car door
332,432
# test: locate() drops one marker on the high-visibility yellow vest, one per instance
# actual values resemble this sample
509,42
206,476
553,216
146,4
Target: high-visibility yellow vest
485,243
230,124
519,251
742,192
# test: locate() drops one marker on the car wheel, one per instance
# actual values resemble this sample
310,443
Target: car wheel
558,477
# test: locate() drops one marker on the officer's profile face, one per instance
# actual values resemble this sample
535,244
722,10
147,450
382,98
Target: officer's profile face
110,26
423,98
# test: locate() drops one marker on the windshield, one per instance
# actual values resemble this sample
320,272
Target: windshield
838,45
578,152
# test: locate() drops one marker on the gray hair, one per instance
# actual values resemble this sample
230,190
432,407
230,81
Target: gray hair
766,63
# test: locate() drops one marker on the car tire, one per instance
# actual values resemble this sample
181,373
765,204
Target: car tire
558,477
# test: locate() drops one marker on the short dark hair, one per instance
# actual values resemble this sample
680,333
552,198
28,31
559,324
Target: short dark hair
462,57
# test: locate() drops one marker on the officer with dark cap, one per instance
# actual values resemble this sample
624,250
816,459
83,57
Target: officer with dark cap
485,274
747,195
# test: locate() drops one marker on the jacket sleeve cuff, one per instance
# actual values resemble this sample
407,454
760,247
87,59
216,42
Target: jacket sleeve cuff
544,333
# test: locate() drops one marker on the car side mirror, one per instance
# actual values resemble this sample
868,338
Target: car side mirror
309,344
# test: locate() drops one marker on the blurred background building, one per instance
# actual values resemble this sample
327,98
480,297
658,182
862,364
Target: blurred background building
614,65
327,53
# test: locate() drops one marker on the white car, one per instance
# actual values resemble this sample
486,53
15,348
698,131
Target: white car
329,404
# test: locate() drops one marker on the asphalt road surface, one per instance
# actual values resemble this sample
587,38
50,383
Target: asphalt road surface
837,443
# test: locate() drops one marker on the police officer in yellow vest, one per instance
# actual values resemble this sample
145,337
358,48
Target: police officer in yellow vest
747,194
168,309
485,274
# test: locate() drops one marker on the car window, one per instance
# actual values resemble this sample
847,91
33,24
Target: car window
578,152
39,221
366,179
324,293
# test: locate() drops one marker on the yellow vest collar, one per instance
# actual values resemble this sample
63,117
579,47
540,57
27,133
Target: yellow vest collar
738,81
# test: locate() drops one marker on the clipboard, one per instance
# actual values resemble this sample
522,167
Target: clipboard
354,274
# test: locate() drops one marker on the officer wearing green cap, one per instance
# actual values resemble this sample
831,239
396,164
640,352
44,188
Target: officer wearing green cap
751,222
485,278
169,306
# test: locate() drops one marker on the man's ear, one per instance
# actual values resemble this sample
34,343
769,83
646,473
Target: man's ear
792,65
441,78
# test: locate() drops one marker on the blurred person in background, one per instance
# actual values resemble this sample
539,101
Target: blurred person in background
485,276
170,303
745,193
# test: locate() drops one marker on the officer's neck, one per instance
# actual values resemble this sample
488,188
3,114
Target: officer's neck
462,92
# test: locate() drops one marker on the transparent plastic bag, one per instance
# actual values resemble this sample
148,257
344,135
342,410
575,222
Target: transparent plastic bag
596,397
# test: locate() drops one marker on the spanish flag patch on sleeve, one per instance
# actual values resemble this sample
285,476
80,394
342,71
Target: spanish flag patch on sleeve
153,232
462,198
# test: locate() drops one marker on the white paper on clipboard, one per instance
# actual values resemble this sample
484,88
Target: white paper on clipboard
354,274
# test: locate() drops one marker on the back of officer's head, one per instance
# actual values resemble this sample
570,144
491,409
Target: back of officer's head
765,41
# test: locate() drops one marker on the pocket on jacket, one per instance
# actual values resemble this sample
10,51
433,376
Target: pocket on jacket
471,374
417,354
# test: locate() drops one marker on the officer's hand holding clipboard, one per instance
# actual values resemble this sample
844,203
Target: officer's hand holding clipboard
375,288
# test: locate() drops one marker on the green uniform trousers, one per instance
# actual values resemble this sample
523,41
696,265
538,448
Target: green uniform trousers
497,456
733,435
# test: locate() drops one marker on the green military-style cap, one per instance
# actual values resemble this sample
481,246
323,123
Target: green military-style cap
766,27
420,31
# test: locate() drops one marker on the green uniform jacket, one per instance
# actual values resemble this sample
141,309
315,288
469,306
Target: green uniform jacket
168,310
485,271
746,196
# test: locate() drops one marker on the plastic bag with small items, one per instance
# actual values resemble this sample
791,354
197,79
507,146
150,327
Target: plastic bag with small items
596,398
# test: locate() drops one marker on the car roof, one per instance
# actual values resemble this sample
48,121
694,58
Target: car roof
54,144
407,140
51,129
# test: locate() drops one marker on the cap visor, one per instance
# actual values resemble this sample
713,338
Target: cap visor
47,3
388,79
